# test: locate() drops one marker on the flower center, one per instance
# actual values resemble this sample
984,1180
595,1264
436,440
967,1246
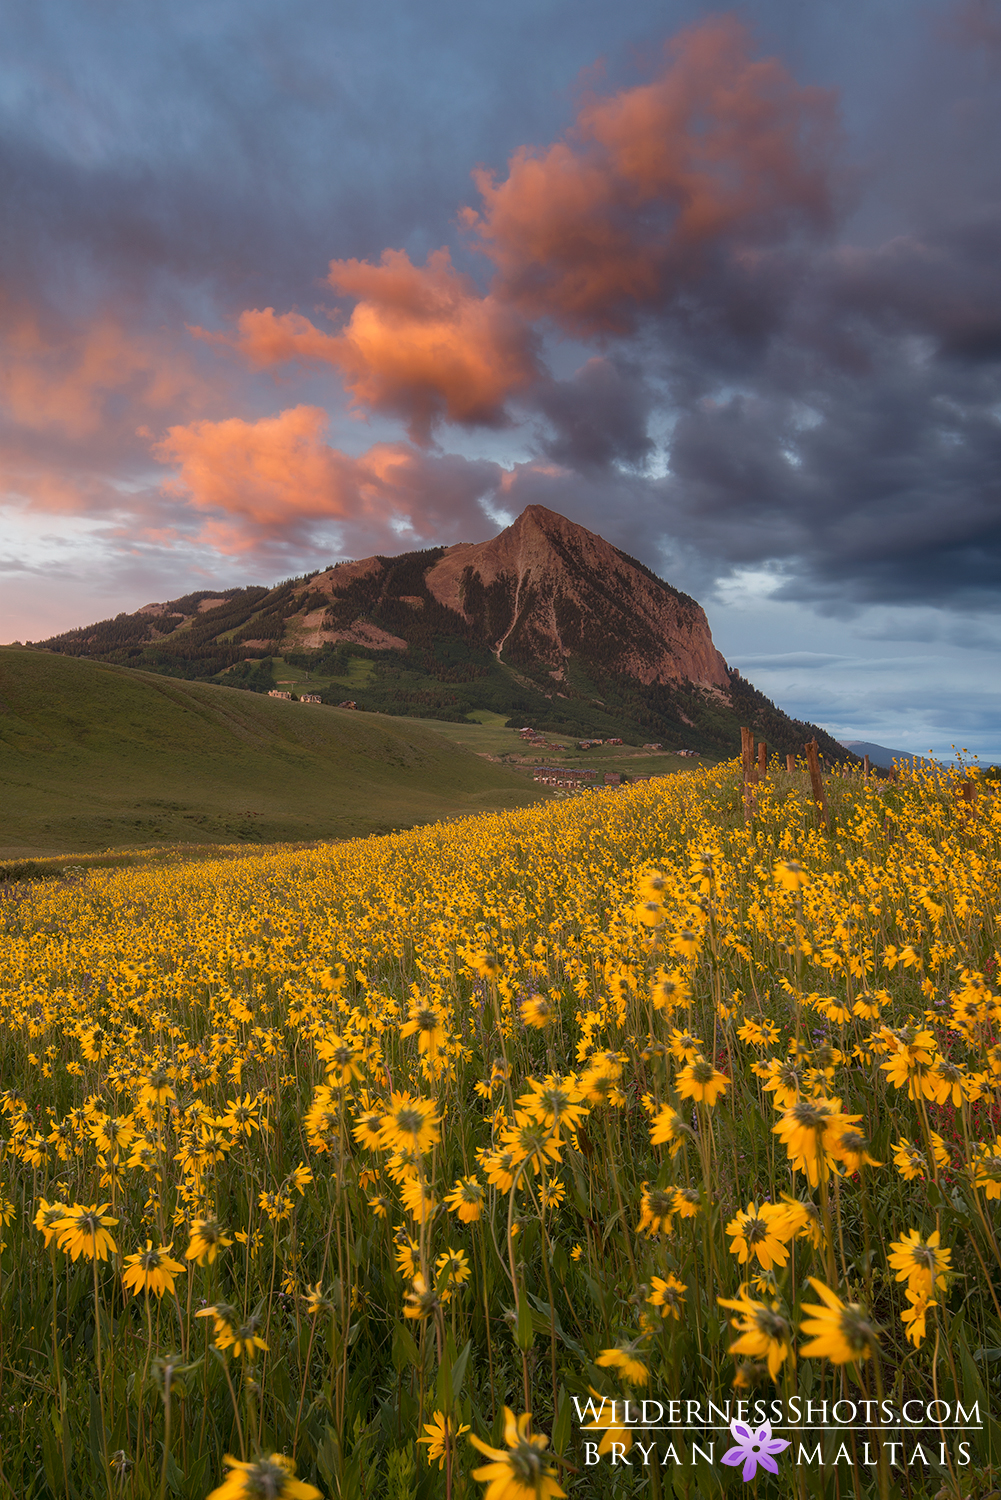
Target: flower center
526,1464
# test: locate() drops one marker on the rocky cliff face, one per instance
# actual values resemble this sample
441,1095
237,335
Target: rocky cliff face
546,589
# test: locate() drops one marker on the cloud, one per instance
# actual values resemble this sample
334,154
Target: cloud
656,190
59,375
275,480
598,417
719,154
420,343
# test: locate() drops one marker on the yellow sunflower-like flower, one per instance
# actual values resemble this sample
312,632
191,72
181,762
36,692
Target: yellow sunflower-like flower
760,1232
656,1210
668,1128
687,1202
428,1025
84,1231
441,1435
207,1238
538,1011
522,1472
318,1303
668,1293
701,1081
841,1331
985,1166
410,1124
913,1317
466,1199
151,1270
809,1130
624,1357
48,1218
266,1479
421,1300
669,992
764,1333
851,1146
343,1060
454,1264
790,875
923,1264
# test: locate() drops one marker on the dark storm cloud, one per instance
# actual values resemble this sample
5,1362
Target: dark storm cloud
599,416
862,448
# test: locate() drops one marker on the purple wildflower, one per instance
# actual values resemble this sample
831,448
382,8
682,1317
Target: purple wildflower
754,1448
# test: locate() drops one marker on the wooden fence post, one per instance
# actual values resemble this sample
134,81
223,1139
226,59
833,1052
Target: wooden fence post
817,781
747,765
790,762
865,768
762,760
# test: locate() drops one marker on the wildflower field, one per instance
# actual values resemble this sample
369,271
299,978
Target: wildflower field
362,1171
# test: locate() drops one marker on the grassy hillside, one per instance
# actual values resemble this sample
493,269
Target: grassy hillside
94,756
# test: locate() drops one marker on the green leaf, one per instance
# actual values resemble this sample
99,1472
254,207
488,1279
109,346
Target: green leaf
524,1333
459,1369
405,1351
561,1427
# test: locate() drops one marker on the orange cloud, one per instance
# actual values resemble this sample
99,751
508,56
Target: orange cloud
421,343
269,480
61,380
620,214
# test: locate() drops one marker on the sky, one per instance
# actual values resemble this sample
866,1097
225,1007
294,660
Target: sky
286,283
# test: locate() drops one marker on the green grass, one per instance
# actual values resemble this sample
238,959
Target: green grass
488,736
94,756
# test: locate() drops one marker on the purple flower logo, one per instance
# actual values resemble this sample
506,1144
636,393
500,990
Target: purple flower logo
754,1448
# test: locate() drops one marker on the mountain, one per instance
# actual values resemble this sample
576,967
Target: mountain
546,623
881,756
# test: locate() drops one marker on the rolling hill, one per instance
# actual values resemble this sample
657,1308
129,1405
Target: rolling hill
94,756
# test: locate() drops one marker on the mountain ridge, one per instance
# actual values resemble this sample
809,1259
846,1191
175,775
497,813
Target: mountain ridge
547,623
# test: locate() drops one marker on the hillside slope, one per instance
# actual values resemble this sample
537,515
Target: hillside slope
94,756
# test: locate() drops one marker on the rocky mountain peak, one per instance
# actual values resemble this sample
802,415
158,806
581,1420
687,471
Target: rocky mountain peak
546,589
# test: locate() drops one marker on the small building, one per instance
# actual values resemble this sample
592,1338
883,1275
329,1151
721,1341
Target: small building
653,747
310,698
612,778
613,742
348,703
278,693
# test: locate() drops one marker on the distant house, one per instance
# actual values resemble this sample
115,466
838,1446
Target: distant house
277,693
348,703
613,742
653,747
685,752
612,778
310,698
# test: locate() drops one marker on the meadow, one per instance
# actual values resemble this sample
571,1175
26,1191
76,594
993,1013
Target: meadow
94,756
382,1159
